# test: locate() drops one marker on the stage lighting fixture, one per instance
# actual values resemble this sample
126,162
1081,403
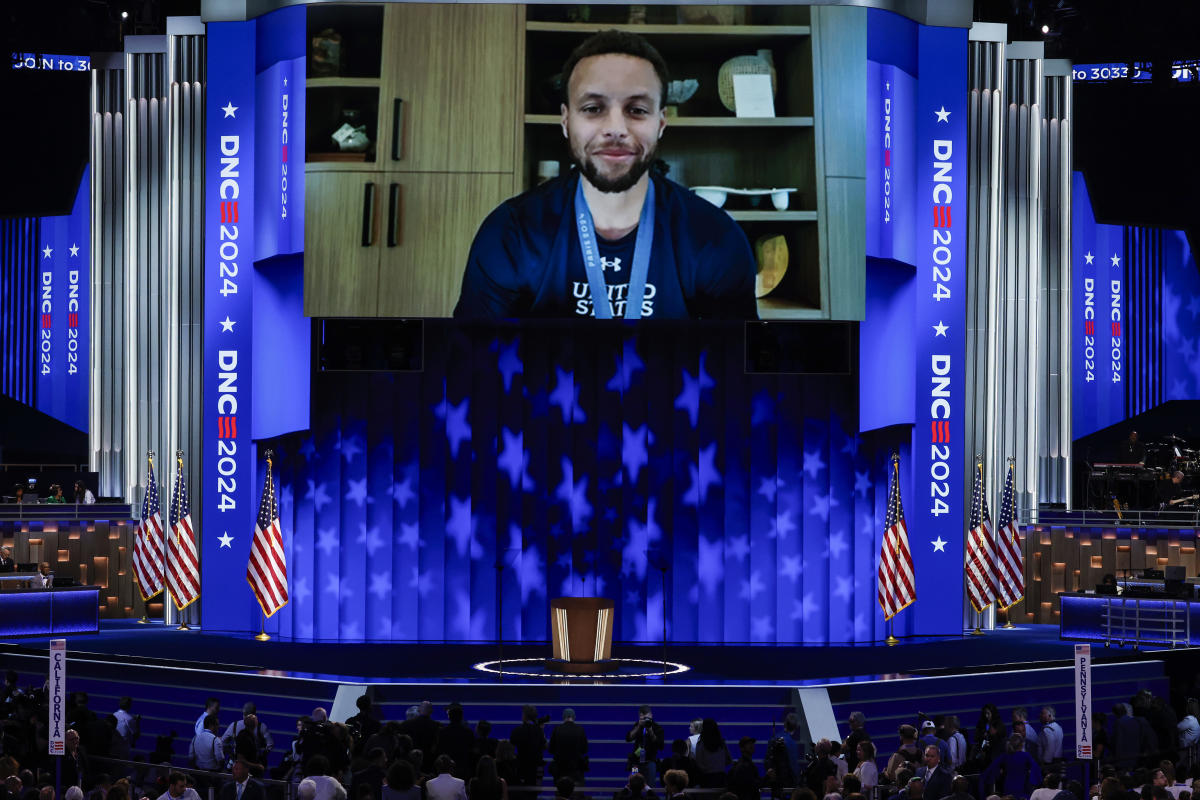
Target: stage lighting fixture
1045,29
124,15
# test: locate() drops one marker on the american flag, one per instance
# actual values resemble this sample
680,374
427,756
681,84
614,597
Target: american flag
981,556
148,544
1010,572
266,571
897,585
183,557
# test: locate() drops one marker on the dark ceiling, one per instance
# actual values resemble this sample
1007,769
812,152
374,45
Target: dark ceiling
1134,142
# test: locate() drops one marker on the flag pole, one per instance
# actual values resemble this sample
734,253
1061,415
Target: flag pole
263,636
145,620
891,639
183,626
978,614
1008,611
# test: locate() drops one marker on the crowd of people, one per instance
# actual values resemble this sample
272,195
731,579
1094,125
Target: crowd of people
1142,751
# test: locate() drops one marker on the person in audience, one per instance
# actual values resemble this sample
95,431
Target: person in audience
712,756
675,781
784,751
914,789
835,754
1021,724
960,789
530,741
1128,738
928,736
858,733
938,778
373,774
205,751
1050,738
19,495
363,724
423,729
694,735
264,742
1049,788
455,740
445,786
564,789
1188,734
907,754
680,760
1020,770
401,783
744,780
634,789
211,706
177,788
487,783
648,739
866,771
956,743
988,715
242,787
83,494
485,743
129,726
56,495
568,748
74,762
506,763
326,786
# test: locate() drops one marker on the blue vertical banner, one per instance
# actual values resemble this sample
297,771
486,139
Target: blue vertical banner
63,312
891,171
935,513
279,126
228,492
1098,304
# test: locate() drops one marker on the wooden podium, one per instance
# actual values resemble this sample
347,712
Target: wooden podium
581,635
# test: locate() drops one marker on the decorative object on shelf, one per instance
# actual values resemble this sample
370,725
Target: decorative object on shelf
547,170
761,64
326,59
579,14
551,89
637,15
711,15
350,139
718,194
680,92
771,253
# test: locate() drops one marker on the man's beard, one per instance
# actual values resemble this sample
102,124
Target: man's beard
621,183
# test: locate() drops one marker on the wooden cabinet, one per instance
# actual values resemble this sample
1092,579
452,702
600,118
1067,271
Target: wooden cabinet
341,243
451,82
441,106
436,216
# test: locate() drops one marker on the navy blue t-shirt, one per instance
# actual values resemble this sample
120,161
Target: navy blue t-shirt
526,261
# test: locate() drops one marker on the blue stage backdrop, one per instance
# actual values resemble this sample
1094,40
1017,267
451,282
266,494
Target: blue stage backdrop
1176,316
586,462
19,278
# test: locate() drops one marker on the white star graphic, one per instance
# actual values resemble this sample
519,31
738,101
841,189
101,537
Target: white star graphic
942,114
74,248
1088,258
1116,262
230,110
939,544
285,81
226,540
227,324
888,85
940,329
47,251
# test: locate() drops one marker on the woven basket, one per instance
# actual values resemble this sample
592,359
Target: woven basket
761,64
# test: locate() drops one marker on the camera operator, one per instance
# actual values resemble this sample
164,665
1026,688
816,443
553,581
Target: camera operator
647,738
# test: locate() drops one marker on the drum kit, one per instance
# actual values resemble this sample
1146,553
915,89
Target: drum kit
1142,486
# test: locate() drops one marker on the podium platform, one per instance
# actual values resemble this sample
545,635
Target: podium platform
581,631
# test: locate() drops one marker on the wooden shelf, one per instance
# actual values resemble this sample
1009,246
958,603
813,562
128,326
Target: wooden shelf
773,308
700,122
773,216
725,31
342,83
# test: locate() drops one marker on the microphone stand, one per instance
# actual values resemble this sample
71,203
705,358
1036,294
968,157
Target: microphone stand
659,562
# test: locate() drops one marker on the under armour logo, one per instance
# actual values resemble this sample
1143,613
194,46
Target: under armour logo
610,263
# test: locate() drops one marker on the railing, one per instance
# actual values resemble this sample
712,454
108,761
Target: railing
140,773
1110,518
14,512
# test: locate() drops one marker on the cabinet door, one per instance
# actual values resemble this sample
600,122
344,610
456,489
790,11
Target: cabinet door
342,239
432,220
451,95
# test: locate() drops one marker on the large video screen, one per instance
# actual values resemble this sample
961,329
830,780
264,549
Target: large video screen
496,161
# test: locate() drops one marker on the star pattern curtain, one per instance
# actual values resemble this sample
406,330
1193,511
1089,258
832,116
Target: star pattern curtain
611,461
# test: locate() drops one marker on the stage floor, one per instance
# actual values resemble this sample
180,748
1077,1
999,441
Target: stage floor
1028,646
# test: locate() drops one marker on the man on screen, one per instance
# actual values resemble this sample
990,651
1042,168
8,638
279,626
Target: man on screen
612,238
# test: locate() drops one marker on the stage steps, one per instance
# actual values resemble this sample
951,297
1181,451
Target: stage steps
170,697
